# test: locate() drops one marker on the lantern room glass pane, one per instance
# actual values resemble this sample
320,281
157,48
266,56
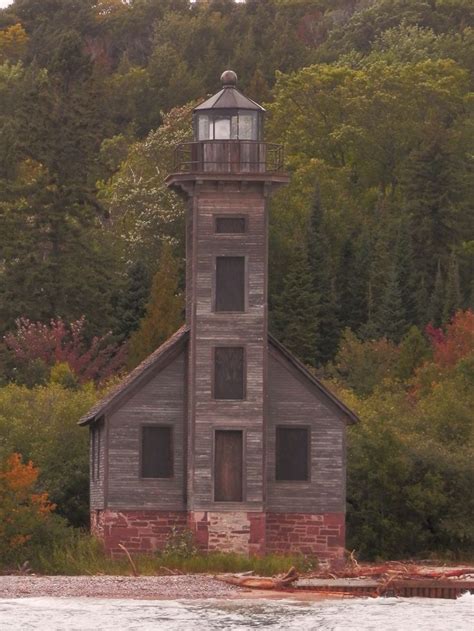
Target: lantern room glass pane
203,127
222,128
248,126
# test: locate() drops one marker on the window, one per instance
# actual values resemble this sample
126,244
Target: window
95,450
231,225
230,283
292,453
229,373
157,452
228,466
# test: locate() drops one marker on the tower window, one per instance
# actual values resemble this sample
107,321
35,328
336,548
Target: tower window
230,283
231,225
292,453
157,452
229,382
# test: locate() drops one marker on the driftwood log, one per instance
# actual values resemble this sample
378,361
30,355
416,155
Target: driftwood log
260,582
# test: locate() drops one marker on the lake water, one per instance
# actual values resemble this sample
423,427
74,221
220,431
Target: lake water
380,614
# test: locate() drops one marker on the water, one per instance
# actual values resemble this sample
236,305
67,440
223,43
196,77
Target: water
381,614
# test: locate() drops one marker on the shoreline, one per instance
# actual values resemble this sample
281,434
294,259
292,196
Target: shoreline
182,587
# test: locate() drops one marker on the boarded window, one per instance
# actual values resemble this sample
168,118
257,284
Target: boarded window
230,225
229,382
157,452
230,283
96,433
228,466
292,453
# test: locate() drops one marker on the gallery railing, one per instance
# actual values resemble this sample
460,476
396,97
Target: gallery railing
228,156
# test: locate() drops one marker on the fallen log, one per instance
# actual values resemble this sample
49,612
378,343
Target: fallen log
260,582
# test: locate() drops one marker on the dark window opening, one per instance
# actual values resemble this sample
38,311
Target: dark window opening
95,450
230,225
229,382
292,453
157,452
228,460
230,283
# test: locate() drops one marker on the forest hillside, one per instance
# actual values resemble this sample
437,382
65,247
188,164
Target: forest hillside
371,244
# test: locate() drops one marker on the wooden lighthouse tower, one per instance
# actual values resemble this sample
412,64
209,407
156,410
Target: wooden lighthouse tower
222,430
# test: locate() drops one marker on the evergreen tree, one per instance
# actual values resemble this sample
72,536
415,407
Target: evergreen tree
390,319
131,305
164,311
437,298
319,258
294,317
452,298
406,270
353,282
414,349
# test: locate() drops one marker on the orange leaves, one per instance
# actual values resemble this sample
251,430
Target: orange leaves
17,476
21,509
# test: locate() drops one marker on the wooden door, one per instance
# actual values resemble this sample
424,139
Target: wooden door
228,466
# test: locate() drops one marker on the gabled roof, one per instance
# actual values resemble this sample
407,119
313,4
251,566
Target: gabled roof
229,98
314,381
138,375
159,358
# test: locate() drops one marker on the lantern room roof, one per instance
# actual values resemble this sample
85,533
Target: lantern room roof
229,98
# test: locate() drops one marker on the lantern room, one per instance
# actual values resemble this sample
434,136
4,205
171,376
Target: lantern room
228,136
228,115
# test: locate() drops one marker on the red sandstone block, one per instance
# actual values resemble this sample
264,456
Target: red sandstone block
329,531
313,530
335,541
334,518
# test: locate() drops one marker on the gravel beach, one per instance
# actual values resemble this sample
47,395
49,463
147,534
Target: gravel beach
154,587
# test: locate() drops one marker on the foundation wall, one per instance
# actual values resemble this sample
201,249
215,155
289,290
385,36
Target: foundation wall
241,532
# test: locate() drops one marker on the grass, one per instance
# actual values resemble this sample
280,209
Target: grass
82,554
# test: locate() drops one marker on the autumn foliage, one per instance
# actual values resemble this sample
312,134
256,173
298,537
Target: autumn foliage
454,344
59,343
22,509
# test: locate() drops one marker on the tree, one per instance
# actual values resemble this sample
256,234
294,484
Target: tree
41,424
453,298
294,317
319,257
59,343
23,511
414,350
389,317
164,311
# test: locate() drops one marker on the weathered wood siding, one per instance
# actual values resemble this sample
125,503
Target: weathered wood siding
210,329
293,401
161,400
97,464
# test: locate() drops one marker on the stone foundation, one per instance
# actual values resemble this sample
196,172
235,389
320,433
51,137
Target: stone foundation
319,535
233,531
242,532
138,531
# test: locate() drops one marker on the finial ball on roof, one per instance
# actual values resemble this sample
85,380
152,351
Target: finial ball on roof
228,77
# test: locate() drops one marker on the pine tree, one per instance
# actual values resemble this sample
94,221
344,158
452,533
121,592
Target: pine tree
131,305
452,298
437,298
164,311
414,349
405,270
353,282
294,318
319,258
389,318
